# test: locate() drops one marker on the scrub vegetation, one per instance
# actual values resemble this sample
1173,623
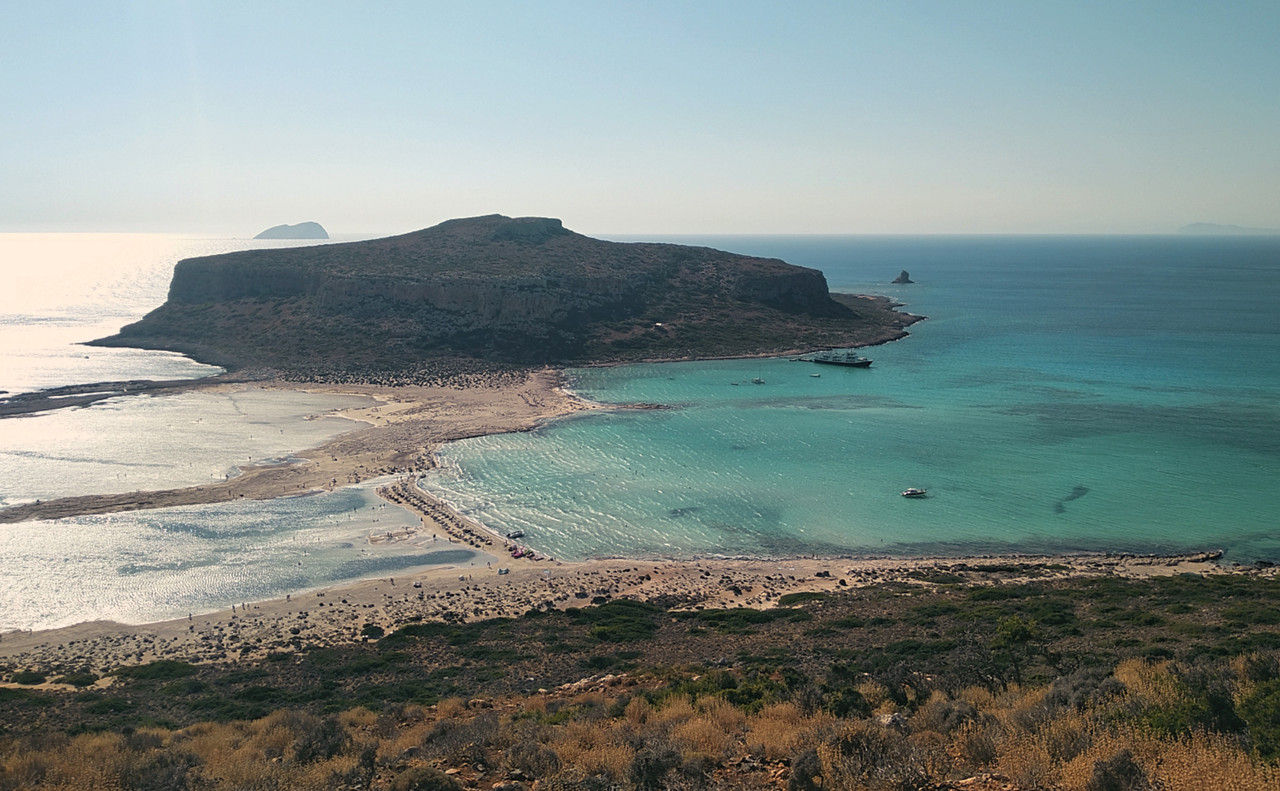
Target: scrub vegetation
1089,684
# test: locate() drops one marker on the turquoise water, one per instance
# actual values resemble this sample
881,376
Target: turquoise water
1065,394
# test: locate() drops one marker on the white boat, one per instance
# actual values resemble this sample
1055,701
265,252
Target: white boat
914,492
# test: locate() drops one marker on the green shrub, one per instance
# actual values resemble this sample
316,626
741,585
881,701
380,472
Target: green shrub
159,670
1260,711
424,778
80,679
792,599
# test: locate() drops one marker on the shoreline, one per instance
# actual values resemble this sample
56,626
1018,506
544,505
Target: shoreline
339,615
401,430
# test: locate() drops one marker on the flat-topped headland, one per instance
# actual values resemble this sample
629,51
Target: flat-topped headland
495,293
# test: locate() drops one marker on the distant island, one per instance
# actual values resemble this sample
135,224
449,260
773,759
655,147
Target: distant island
1215,229
497,291
303,230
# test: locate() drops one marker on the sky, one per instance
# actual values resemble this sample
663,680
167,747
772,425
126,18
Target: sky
841,117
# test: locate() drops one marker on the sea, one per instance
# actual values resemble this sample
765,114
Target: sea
1064,394
61,290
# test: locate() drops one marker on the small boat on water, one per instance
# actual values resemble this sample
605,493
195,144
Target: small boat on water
516,534
914,492
846,359
757,381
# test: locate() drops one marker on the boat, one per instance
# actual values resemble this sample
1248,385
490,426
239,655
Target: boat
815,376
847,359
757,381
914,492
516,534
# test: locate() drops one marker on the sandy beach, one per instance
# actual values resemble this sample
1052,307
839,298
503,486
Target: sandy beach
338,615
399,435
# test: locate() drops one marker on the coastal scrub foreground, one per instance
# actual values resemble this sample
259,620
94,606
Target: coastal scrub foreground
1006,677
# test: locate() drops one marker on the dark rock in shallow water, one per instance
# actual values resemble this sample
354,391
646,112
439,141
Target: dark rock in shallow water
902,278
303,230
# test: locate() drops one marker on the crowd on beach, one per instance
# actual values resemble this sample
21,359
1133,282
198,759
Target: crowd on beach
454,373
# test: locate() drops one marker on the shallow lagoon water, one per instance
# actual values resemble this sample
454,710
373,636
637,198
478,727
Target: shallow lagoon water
161,442
1073,394
144,566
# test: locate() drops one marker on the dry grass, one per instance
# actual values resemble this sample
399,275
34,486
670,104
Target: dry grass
781,730
1029,735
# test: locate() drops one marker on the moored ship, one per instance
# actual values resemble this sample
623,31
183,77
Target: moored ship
847,359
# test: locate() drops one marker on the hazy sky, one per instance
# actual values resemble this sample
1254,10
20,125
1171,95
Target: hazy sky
951,116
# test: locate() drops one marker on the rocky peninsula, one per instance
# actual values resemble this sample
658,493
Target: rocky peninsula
495,293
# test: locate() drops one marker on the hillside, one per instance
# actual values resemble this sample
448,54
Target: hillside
970,677
496,291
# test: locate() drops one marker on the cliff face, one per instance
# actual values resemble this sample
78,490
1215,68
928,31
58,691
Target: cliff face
516,291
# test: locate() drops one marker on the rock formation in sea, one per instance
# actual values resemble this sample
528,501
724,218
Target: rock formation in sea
1217,229
497,291
902,278
303,230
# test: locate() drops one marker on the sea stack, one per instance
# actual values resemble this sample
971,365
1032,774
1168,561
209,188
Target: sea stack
902,278
303,230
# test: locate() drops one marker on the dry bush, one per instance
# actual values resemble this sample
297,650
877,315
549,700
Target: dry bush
273,740
974,745
1209,761
1065,736
980,698
462,741
862,755
929,750
638,711
875,693
728,717
533,706
1025,760
702,738
532,759
25,770
1023,710
942,715
455,707
354,719
89,761
591,749
1149,684
673,711
781,730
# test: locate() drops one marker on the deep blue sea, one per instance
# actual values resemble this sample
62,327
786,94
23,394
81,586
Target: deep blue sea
1065,394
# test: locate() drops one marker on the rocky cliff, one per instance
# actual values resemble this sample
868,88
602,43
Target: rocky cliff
522,291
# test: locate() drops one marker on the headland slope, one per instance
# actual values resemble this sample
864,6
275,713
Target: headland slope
495,292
